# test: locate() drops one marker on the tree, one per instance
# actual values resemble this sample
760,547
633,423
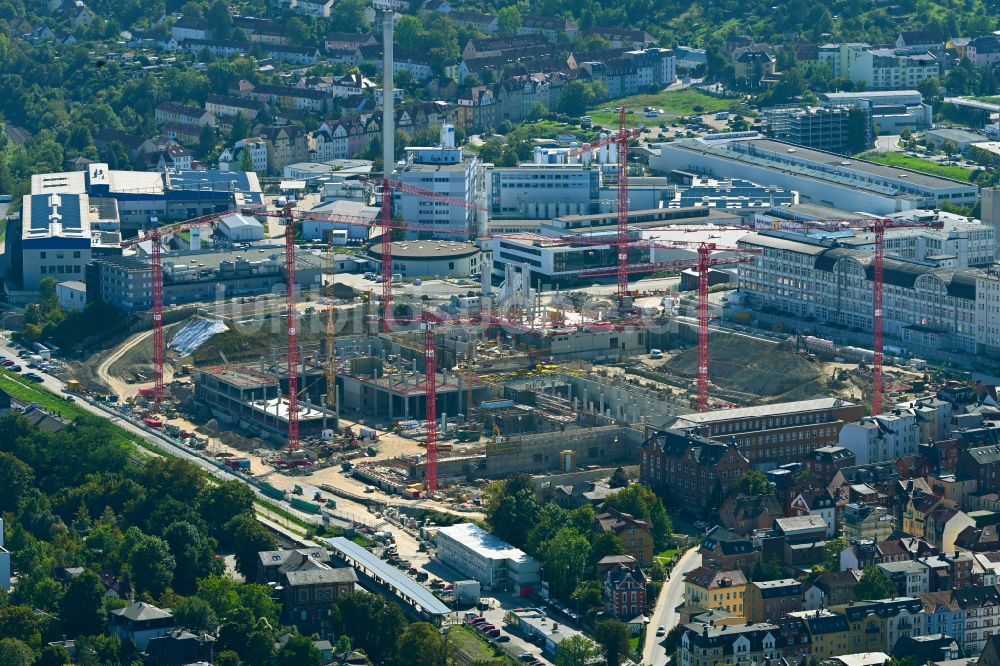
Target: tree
605,544
151,564
348,15
874,584
770,569
241,128
588,595
858,134
576,98
510,506
15,653
753,483
221,503
297,30
54,655
564,558
82,606
420,645
509,21
576,651
194,553
930,88
613,637
15,478
297,651
834,547
247,538
220,19
372,623
196,615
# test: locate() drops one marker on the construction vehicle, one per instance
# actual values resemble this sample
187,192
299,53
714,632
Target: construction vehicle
74,386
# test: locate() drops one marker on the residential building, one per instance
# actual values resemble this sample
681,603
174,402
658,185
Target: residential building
231,159
893,69
309,595
910,577
636,535
866,522
943,615
622,37
861,555
625,592
818,176
329,142
173,113
770,601
753,65
706,645
830,589
746,514
190,27
690,469
484,23
984,51
179,647
290,98
224,106
826,128
826,461
550,27
829,633
981,605
725,550
917,510
883,437
286,144
72,295
944,524
713,589
934,648
483,557
347,40
769,435
877,625
140,623
819,503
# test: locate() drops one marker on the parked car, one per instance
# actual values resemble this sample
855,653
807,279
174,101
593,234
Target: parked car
503,639
661,630
526,657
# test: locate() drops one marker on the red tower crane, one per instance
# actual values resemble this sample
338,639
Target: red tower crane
156,236
430,399
388,186
619,139
293,343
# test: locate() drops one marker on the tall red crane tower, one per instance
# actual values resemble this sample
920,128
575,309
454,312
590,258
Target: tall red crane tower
293,342
430,398
619,139
156,237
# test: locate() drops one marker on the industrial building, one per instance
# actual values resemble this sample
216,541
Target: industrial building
827,128
57,236
819,177
891,111
166,195
196,276
926,306
431,258
240,229
351,218
483,557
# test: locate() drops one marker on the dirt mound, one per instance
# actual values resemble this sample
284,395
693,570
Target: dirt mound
752,366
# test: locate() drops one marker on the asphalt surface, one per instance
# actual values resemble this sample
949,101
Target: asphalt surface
665,615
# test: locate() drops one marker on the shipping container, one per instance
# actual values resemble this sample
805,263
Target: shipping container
304,506
272,492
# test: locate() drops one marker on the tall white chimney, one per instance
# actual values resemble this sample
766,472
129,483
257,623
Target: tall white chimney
195,238
388,99
447,136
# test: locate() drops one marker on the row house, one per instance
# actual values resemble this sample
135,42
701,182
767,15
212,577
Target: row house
505,66
316,8
725,550
877,625
981,606
834,588
691,469
286,144
217,48
190,27
290,97
716,589
231,158
863,555
329,142
495,46
227,106
703,644
349,56
550,27
347,85
943,614
261,31
769,601
173,113
296,55
413,62
182,133
338,41
622,37
484,23
984,51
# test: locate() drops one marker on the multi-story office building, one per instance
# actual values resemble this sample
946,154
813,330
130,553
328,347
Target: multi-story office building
823,128
925,306
480,555
819,177
544,191
445,171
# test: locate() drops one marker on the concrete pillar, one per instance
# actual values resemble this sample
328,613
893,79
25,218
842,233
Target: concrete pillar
444,422
602,403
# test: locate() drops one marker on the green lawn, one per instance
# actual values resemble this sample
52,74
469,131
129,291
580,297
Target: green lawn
475,647
673,102
543,129
989,100
667,555
919,164
633,643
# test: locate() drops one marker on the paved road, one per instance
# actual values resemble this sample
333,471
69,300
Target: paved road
887,143
671,596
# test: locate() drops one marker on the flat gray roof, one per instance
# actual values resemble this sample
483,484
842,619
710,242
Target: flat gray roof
407,588
882,171
776,409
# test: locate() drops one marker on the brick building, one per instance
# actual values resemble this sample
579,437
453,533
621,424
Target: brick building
769,601
690,469
770,435
625,592
726,550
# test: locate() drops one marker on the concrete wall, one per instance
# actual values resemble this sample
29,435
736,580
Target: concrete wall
540,453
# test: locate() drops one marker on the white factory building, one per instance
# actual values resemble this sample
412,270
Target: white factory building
891,110
240,229
481,556
925,305
819,177
446,171
351,220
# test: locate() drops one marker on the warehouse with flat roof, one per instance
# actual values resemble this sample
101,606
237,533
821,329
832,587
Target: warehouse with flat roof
486,558
820,177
